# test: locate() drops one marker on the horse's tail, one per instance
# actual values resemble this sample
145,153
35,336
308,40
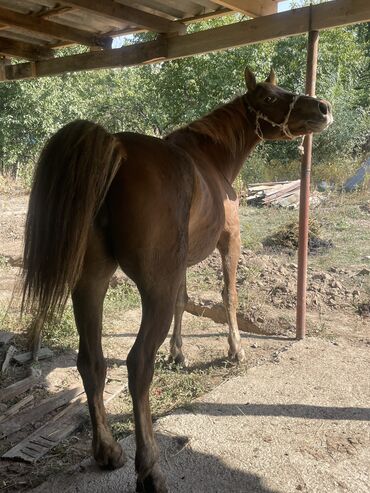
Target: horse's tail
71,179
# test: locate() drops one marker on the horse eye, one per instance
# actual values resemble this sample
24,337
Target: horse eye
269,99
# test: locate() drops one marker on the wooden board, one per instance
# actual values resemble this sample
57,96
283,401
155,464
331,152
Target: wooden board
253,8
217,313
44,353
8,357
38,412
14,409
18,388
60,427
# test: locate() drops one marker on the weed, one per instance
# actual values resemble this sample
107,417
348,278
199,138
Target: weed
61,333
123,297
3,262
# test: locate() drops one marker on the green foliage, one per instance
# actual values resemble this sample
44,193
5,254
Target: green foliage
155,99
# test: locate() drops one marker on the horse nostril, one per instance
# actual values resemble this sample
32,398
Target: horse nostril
323,107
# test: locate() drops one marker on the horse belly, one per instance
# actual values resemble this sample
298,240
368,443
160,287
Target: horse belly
205,227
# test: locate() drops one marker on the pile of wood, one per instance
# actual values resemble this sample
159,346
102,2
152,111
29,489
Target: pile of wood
276,193
29,427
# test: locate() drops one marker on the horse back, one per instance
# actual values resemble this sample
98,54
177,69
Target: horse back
148,204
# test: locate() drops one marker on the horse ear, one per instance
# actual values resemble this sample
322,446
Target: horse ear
250,79
272,77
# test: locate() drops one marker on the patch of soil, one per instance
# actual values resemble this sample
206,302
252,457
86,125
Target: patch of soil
286,239
275,280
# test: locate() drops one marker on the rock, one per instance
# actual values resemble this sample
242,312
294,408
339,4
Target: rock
331,302
292,266
356,292
363,272
254,346
321,276
336,284
3,407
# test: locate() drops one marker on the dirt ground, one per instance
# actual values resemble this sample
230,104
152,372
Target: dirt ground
338,298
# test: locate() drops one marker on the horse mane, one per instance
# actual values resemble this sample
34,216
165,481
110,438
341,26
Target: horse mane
226,125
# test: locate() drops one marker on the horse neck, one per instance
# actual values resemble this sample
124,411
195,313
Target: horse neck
225,138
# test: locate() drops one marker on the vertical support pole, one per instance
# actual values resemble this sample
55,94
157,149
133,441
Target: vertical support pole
312,49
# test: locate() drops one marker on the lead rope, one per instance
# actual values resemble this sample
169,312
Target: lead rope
284,125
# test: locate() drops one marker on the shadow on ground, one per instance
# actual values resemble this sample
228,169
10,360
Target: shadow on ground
284,410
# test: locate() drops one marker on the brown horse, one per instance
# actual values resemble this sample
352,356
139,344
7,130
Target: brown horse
153,207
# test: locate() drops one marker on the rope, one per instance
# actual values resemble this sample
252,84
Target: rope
283,126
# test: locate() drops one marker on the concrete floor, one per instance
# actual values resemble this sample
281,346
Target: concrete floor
298,424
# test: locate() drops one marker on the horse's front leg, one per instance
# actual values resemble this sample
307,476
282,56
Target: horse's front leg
176,353
229,247
88,297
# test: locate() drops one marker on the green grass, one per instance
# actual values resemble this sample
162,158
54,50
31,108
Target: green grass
3,262
172,387
342,217
125,296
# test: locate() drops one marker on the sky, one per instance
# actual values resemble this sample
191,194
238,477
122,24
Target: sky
283,5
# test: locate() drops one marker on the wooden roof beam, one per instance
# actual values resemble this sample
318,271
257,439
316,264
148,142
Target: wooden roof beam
325,15
117,11
20,49
252,8
120,57
283,24
59,31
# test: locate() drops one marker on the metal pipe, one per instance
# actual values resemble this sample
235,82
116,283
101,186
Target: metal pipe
304,203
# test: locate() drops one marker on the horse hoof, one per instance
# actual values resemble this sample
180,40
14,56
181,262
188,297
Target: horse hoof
111,458
153,483
179,359
238,357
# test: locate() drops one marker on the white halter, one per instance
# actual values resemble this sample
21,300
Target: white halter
283,126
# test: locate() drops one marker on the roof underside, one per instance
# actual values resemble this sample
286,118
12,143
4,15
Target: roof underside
33,30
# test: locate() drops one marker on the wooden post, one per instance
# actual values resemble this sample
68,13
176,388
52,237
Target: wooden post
312,48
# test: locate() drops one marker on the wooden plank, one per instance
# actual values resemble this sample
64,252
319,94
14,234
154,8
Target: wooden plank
49,435
120,57
60,427
325,15
217,313
253,8
59,31
20,49
282,189
17,388
8,357
267,184
116,11
38,412
14,409
44,353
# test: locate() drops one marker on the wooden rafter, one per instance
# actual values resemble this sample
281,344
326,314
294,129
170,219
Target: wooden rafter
290,23
59,31
20,49
116,11
252,8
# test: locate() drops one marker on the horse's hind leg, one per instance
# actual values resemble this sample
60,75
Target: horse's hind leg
229,247
176,353
158,302
88,297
